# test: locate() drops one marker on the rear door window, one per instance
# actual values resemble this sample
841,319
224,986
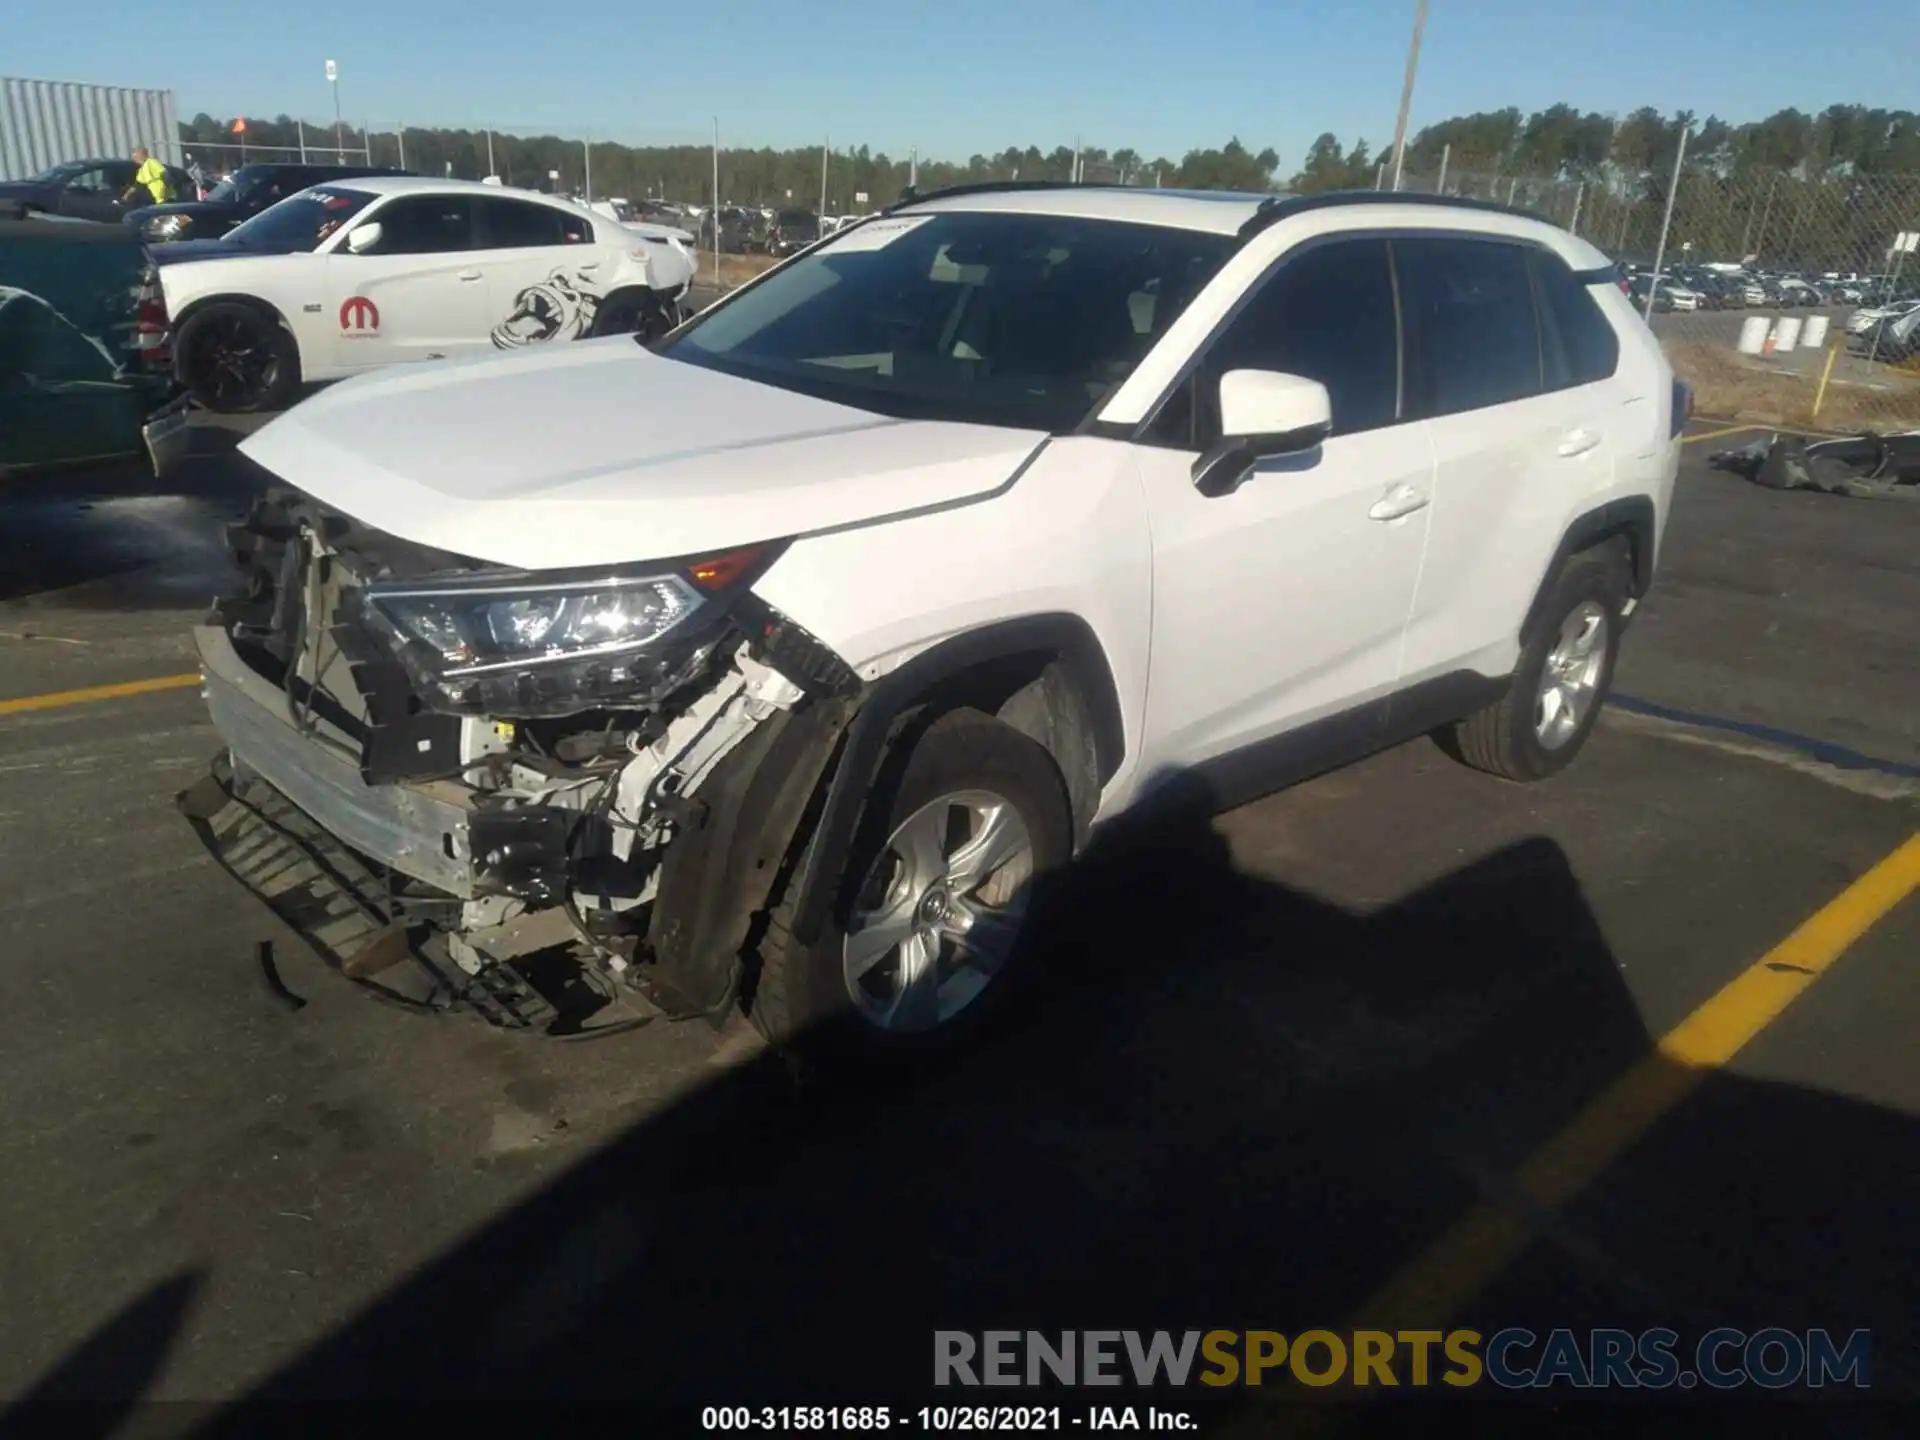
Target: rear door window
516,225
1471,331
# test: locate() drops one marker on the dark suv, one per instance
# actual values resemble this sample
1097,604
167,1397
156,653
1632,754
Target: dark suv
792,230
241,196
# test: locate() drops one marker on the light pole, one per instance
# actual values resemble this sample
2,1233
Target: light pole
1406,90
339,145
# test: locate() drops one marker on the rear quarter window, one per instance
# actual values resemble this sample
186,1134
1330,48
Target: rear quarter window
1578,342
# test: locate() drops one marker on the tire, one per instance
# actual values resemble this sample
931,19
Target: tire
237,359
632,312
805,998
1516,737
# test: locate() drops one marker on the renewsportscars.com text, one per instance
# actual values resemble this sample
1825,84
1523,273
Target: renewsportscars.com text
1513,1358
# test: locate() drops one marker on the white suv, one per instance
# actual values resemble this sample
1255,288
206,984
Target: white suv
769,665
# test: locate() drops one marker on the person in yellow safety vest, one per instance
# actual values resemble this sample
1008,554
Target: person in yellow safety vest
150,177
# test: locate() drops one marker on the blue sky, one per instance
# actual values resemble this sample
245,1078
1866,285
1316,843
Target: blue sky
1159,75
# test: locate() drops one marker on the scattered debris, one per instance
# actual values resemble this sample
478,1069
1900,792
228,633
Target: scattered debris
274,982
1863,467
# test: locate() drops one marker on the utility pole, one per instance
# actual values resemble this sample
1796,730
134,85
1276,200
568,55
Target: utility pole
1446,154
826,149
1660,250
300,129
1076,160
1573,225
490,169
399,134
586,147
715,211
1406,90
913,168
339,145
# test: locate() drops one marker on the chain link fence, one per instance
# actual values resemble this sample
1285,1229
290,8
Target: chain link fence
1784,299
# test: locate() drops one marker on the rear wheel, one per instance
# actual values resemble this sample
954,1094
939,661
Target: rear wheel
1565,670
934,900
236,359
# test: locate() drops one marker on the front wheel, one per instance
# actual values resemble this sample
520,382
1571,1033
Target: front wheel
236,359
634,312
1565,671
934,898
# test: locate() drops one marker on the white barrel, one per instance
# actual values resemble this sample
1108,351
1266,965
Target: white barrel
1786,333
1815,334
1753,334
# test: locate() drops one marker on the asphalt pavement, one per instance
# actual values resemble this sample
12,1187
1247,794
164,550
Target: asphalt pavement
1288,1065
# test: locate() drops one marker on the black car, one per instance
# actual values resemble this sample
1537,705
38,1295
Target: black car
81,190
793,229
241,196
83,373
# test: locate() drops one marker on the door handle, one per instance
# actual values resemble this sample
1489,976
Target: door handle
588,265
1400,501
469,274
1578,442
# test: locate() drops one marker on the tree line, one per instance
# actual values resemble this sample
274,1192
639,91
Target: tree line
1632,155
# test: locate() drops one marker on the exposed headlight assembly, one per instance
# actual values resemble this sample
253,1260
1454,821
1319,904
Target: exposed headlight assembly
168,227
528,645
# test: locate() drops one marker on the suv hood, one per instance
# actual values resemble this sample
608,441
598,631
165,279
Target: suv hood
598,452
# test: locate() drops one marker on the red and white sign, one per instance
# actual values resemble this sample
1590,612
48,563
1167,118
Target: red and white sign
359,316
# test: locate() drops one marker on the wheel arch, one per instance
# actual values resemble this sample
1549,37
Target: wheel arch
778,813
252,302
1045,675
1630,518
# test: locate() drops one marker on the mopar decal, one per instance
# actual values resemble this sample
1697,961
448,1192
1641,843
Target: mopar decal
359,316
559,307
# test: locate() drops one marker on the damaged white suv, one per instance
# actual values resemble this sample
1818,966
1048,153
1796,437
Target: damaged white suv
768,666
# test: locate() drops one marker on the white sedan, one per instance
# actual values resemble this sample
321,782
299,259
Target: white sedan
355,275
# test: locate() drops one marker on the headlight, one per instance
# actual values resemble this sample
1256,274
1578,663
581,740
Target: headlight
168,227
475,632
523,646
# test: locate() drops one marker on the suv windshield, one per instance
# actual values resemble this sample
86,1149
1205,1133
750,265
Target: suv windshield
998,318
300,222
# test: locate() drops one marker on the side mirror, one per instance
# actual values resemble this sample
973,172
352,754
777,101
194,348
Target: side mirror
1262,413
363,238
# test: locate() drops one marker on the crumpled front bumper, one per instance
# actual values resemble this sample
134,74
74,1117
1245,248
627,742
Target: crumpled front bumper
422,830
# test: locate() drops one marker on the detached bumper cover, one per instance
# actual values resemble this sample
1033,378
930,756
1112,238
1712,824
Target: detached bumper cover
421,830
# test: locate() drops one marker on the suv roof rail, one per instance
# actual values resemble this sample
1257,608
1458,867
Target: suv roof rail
1270,211
1279,207
911,196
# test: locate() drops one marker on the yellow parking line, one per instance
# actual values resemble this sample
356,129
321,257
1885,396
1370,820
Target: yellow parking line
1716,434
58,698
1461,1263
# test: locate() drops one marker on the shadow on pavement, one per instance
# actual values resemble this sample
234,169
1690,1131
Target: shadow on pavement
112,537
1230,1105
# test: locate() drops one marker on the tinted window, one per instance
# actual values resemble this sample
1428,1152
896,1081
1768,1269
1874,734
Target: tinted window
1578,343
515,225
1003,318
1328,314
424,225
300,222
1468,307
